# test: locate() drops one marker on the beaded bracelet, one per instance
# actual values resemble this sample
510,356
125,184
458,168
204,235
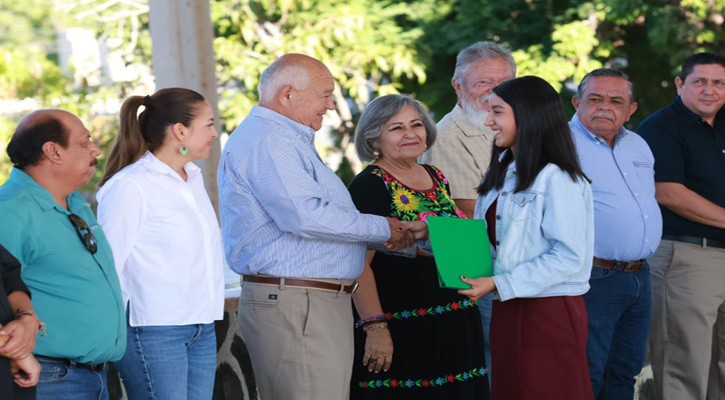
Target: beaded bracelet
30,313
375,326
370,318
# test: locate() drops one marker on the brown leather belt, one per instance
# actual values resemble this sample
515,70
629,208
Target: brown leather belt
629,266
300,282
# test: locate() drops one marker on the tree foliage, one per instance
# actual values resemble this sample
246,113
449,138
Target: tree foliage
367,52
30,70
372,47
562,40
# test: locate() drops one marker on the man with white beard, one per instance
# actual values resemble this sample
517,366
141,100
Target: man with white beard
463,146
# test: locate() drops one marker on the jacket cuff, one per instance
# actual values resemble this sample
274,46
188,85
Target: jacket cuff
503,287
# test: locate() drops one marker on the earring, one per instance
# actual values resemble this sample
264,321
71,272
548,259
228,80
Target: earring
376,153
183,150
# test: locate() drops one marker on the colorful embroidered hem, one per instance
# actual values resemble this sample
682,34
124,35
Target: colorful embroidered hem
434,310
435,382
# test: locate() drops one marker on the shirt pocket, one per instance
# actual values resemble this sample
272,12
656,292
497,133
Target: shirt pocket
522,206
646,175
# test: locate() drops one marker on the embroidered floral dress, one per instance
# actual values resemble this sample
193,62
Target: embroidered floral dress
437,337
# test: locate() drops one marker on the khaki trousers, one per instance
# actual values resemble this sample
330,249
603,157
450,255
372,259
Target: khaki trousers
687,331
300,341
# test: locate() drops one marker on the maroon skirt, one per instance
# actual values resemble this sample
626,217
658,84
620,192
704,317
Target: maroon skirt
538,349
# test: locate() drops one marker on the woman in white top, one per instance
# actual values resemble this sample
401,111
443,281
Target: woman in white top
165,237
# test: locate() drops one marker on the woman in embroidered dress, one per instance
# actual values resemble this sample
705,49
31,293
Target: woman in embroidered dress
538,207
166,243
417,341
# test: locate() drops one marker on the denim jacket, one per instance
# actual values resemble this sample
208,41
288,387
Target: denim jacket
545,235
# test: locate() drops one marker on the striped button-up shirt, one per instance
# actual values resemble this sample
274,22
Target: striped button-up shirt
283,211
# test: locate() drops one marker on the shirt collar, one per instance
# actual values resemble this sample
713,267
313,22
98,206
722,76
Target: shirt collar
579,126
691,118
304,132
157,166
464,123
41,195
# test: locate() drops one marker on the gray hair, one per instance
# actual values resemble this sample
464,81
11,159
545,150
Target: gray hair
481,51
279,74
378,113
604,72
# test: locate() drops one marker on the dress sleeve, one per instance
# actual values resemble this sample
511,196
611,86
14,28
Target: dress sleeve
437,174
370,195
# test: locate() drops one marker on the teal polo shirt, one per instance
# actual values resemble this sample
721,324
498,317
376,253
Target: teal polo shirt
76,293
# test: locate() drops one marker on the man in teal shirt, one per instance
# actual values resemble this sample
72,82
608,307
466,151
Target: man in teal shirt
67,262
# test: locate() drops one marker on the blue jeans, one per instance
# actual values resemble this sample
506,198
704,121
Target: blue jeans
484,308
619,305
60,381
169,362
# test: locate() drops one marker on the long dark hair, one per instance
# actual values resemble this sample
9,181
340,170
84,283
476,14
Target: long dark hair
542,135
147,131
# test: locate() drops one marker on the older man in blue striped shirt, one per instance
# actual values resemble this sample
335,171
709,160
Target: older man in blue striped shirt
292,231
627,229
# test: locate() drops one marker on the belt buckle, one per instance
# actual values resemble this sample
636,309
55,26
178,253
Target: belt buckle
355,286
630,264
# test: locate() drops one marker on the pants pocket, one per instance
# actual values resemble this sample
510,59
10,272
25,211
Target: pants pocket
51,372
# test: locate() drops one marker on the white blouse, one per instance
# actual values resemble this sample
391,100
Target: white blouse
166,243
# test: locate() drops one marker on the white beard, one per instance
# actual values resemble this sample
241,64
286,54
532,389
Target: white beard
475,114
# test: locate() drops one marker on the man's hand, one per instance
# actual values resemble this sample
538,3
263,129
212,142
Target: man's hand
419,229
26,371
21,333
479,287
3,339
400,238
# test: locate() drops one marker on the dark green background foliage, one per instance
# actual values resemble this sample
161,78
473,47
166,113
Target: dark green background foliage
371,47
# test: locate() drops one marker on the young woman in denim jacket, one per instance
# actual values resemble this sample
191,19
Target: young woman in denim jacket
538,206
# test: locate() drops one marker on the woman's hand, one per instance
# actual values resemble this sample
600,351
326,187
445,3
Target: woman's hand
378,350
26,371
479,287
418,228
21,333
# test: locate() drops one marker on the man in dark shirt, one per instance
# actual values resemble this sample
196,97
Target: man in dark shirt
687,138
18,327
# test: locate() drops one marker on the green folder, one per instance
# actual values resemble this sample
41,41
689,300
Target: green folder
460,247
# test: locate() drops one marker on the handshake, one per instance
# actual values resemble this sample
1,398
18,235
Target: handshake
404,233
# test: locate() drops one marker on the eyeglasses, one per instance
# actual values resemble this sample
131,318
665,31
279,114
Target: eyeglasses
87,238
488,83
